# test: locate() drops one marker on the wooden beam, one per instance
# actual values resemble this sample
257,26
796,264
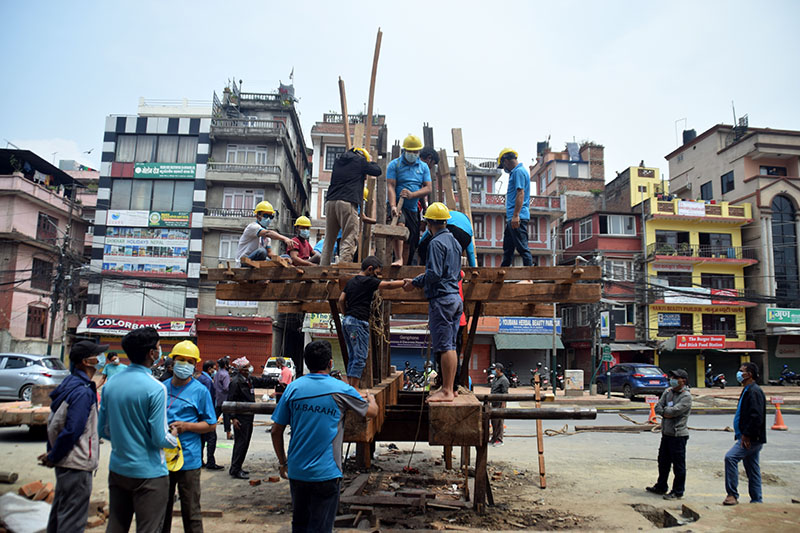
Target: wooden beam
366,229
382,248
334,309
492,309
368,127
446,180
465,198
348,143
358,135
389,230
463,379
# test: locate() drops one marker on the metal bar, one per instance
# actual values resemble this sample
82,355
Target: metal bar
506,397
545,413
248,408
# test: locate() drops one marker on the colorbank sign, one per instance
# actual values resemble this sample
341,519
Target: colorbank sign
115,325
700,342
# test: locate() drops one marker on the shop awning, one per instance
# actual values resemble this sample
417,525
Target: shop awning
517,341
624,347
740,350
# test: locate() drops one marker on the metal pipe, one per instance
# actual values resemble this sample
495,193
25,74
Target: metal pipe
545,413
506,397
248,408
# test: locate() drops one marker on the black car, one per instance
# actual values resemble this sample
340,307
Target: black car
632,379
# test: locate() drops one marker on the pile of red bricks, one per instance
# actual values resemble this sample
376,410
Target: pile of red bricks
39,491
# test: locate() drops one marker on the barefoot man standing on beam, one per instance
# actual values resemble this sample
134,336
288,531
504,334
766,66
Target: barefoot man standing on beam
440,282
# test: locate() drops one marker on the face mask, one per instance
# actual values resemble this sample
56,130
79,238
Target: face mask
182,369
250,369
673,383
739,376
160,356
101,361
265,222
410,157
305,233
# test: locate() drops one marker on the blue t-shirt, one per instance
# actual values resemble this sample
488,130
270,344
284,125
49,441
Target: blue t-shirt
314,406
411,177
737,434
518,179
190,403
110,370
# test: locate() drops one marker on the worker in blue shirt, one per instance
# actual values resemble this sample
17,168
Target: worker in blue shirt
440,282
314,406
461,228
133,416
518,197
409,178
190,410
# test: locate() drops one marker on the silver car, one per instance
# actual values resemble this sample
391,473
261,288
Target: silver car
19,372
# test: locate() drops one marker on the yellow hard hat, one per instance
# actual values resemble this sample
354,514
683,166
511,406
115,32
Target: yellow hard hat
303,221
412,143
437,211
363,152
264,207
186,349
366,194
174,457
504,152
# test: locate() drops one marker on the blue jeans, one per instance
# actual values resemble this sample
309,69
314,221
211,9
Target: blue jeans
356,337
750,458
516,239
314,505
259,254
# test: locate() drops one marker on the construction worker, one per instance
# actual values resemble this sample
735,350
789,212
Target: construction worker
241,391
440,281
343,202
461,228
255,242
190,412
518,196
409,178
299,247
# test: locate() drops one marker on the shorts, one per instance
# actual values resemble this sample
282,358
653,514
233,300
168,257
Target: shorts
356,337
444,313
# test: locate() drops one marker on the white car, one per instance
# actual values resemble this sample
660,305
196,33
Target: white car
272,374
19,372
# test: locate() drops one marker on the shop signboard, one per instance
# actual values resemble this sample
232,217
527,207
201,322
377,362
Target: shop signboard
699,342
688,208
168,219
686,295
605,326
122,217
409,340
534,325
122,325
778,315
672,267
669,319
146,251
169,171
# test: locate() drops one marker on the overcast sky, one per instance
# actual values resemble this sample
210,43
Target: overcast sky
508,73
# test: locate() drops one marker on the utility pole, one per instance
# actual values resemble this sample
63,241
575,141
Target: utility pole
61,277
554,357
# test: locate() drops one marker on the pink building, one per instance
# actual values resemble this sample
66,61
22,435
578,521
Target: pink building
40,228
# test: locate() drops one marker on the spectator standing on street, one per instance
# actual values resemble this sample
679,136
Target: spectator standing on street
750,433
72,441
499,386
314,406
133,416
241,391
286,373
222,383
113,366
673,407
190,412
209,440
518,195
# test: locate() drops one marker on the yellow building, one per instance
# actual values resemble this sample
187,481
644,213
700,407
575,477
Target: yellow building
695,286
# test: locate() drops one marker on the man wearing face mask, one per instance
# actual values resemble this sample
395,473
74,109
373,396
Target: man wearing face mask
190,411
112,366
255,242
72,441
673,407
409,178
241,390
300,250
133,417
750,433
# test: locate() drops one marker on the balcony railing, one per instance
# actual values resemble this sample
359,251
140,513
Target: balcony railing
336,118
689,208
244,126
218,166
493,201
700,251
226,212
259,97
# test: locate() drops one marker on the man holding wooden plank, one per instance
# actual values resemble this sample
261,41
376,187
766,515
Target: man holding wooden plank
409,179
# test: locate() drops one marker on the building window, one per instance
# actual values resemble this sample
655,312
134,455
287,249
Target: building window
234,198
618,269
585,229
42,275
707,191
477,183
46,229
772,171
478,227
228,244
249,154
727,182
573,170
480,259
670,324
714,324
119,297
617,225
126,148
784,251
158,195
542,182
642,189
533,229
718,281
37,322
332,153
156,149
716,245
583,315
568,317
568,237
675,279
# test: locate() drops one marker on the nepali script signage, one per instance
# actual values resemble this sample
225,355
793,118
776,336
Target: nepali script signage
169,171
778,315
700,342
691,209
116,325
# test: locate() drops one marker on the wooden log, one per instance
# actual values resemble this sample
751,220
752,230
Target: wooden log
463,379
547,413
8,477
348,143
456,423
388,230
370,101
537,390
382,248
358,135
447,180
421,308
365,243
334,309
248,408
481,469
448,457
464,196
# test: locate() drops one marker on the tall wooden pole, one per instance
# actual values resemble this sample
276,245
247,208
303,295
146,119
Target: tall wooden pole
368,125
345,117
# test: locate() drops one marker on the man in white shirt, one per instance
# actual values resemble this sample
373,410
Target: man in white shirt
255,242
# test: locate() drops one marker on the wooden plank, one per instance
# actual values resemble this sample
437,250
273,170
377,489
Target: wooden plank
463,379
389,230
358,135
465,198
348,143
365,244
481,470
447,180
529,292
370,101
539,432
448,457
456,423
421,308
356,486
334,309
537,273
382,247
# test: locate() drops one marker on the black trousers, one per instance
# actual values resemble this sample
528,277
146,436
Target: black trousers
188,484
209,441
497,424
241,442
672,454
516,239
314,505
143,497
71,503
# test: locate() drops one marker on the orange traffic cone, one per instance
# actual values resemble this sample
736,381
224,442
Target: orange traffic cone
779,424
652,419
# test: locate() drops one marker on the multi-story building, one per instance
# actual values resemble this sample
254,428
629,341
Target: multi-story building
695,283
41,246
760,166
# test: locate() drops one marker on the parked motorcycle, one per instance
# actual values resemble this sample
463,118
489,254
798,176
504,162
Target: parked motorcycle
490,377
788,377
544,380
559,377
513,378
715,380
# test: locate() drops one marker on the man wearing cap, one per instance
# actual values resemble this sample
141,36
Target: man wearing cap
251,244
133,416
72,440
343,201
241,391
190,412
440,282
673,407
499,386
518,196
409,178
